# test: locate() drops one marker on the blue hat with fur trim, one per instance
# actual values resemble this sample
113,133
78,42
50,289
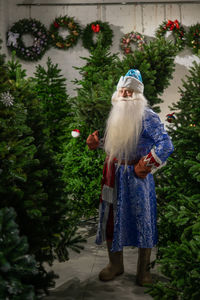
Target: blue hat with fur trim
132,80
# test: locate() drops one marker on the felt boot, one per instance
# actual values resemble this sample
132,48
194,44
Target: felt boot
115,266
143,274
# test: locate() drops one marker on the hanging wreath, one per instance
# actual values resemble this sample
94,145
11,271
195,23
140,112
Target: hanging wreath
71,26
193,38
132,37
35,29
177,31
96,28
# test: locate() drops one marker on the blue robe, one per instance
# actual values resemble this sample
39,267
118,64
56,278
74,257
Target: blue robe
134,204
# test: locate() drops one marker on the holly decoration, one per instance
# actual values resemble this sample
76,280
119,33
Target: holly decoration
177,31
71,26
37,30
94,28
193,38
132,37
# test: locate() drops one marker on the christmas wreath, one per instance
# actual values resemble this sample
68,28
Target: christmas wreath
177,31
193,38
132,37
39,33
71,26
96,28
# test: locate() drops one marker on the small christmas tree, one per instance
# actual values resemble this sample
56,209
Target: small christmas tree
50,87
178,195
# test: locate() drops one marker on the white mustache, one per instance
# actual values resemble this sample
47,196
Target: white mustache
125,99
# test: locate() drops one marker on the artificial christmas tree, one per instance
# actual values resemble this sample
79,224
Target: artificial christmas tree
178,195
50,139
18,268
50,87
17,163
30,179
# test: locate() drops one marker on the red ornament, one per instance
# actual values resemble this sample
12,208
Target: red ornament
170,117
95,28
56,25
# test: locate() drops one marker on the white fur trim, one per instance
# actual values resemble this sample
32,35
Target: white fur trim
157,159
104,221
131,83
108,194
156,169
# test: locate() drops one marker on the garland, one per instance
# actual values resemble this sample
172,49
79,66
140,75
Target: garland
177,31
74,32
34,28
132,37
96,28
193,38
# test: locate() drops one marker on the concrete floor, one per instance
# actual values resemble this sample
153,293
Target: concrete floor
78,277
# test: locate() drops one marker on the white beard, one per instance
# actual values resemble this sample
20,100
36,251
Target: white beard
124,126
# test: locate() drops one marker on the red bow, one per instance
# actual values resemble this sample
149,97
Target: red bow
173,24
95,28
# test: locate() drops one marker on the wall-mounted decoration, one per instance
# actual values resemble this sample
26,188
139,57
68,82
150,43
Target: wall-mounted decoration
177,30
71,26
193,38
40,39
93,29
132,38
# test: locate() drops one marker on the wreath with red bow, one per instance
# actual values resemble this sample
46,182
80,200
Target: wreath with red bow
95,29
177,30
71,26
193,38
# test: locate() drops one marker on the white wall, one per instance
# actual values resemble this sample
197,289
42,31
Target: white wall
144,18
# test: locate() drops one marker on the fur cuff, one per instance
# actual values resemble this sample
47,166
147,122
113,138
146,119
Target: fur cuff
153,161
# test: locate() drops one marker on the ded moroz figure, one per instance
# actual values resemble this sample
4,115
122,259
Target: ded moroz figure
136,145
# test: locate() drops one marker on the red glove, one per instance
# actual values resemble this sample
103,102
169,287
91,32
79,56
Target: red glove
93,140
146,164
